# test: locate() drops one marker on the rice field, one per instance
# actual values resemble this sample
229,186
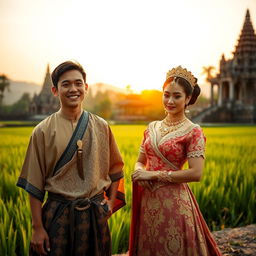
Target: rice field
226,194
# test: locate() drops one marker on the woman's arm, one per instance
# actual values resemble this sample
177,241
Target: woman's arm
140,167
193,173
141,161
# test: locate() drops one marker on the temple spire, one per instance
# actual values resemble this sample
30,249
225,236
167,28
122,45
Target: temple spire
247,39
247,14
46,89
48,68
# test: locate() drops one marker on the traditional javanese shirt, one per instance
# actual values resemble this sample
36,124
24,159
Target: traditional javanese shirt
102,162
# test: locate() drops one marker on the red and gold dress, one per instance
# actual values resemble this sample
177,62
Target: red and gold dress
167,220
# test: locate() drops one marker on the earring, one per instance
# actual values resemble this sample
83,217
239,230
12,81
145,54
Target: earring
186,110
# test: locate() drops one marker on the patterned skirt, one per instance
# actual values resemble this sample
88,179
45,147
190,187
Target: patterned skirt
170,223
76,227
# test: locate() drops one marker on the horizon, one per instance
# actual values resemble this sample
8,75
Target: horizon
123,43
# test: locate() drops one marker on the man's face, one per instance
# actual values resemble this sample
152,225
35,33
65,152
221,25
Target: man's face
71,89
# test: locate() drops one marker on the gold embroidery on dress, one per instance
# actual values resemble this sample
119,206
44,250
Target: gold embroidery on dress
168,203
202,247
185,208
153,217
153,137
181,132
196,153
200,149
173,242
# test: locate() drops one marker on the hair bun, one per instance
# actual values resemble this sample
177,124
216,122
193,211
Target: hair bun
195,94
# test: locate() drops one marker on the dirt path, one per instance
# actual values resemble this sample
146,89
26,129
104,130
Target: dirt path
234,241
237,241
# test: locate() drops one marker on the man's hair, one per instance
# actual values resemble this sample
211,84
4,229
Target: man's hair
64,67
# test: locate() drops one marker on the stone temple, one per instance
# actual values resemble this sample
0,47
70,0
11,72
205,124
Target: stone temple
44,103
235,82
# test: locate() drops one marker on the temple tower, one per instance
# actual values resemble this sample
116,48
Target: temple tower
236,80
44,103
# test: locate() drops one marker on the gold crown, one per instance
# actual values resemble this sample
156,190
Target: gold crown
182,72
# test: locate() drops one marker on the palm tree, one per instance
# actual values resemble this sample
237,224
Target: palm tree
128,89
4,84
207,71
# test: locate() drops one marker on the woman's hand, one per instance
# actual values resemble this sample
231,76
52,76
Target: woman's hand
148,184
140,175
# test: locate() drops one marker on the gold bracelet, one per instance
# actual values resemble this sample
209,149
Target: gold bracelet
164,176
161,175
170,178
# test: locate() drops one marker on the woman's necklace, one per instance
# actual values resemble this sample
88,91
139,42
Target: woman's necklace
168,126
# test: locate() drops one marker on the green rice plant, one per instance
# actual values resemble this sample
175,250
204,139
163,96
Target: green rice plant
7,233
226,194
119,227
23,224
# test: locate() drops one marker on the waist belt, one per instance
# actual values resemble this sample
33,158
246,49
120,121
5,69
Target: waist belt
79,204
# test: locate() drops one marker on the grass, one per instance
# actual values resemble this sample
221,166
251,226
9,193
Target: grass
226,195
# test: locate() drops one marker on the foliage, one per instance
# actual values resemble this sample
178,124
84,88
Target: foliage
18,110
99,104
4,84
226,195
207,71
106,104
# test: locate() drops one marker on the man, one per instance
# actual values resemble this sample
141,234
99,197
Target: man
73,156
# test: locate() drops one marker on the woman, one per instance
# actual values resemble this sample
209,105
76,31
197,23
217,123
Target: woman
166,219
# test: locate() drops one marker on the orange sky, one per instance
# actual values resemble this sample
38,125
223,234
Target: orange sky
118,42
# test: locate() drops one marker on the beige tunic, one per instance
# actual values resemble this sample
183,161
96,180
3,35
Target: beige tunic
102,161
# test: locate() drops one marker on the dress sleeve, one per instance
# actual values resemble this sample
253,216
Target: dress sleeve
32,177
196,143
116,161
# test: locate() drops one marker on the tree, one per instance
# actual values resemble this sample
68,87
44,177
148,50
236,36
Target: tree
21,107
103,108
4,84
100,104
207,71
128,89
18,111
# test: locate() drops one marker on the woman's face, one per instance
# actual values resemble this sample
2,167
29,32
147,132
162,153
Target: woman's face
175,99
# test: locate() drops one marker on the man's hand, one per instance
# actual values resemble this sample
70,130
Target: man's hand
110,204
40,241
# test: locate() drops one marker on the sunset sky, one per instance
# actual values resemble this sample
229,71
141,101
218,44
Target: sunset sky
118,42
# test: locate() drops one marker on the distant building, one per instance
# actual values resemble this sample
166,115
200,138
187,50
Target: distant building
44,103
236,82
130,109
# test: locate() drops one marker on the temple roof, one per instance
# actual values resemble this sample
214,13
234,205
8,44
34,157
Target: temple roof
46,89
247,39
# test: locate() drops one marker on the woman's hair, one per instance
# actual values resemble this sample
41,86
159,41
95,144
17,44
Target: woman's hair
188,89
64,67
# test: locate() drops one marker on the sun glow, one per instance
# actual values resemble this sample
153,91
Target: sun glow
118,42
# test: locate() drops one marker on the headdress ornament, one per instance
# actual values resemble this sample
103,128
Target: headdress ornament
182,72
